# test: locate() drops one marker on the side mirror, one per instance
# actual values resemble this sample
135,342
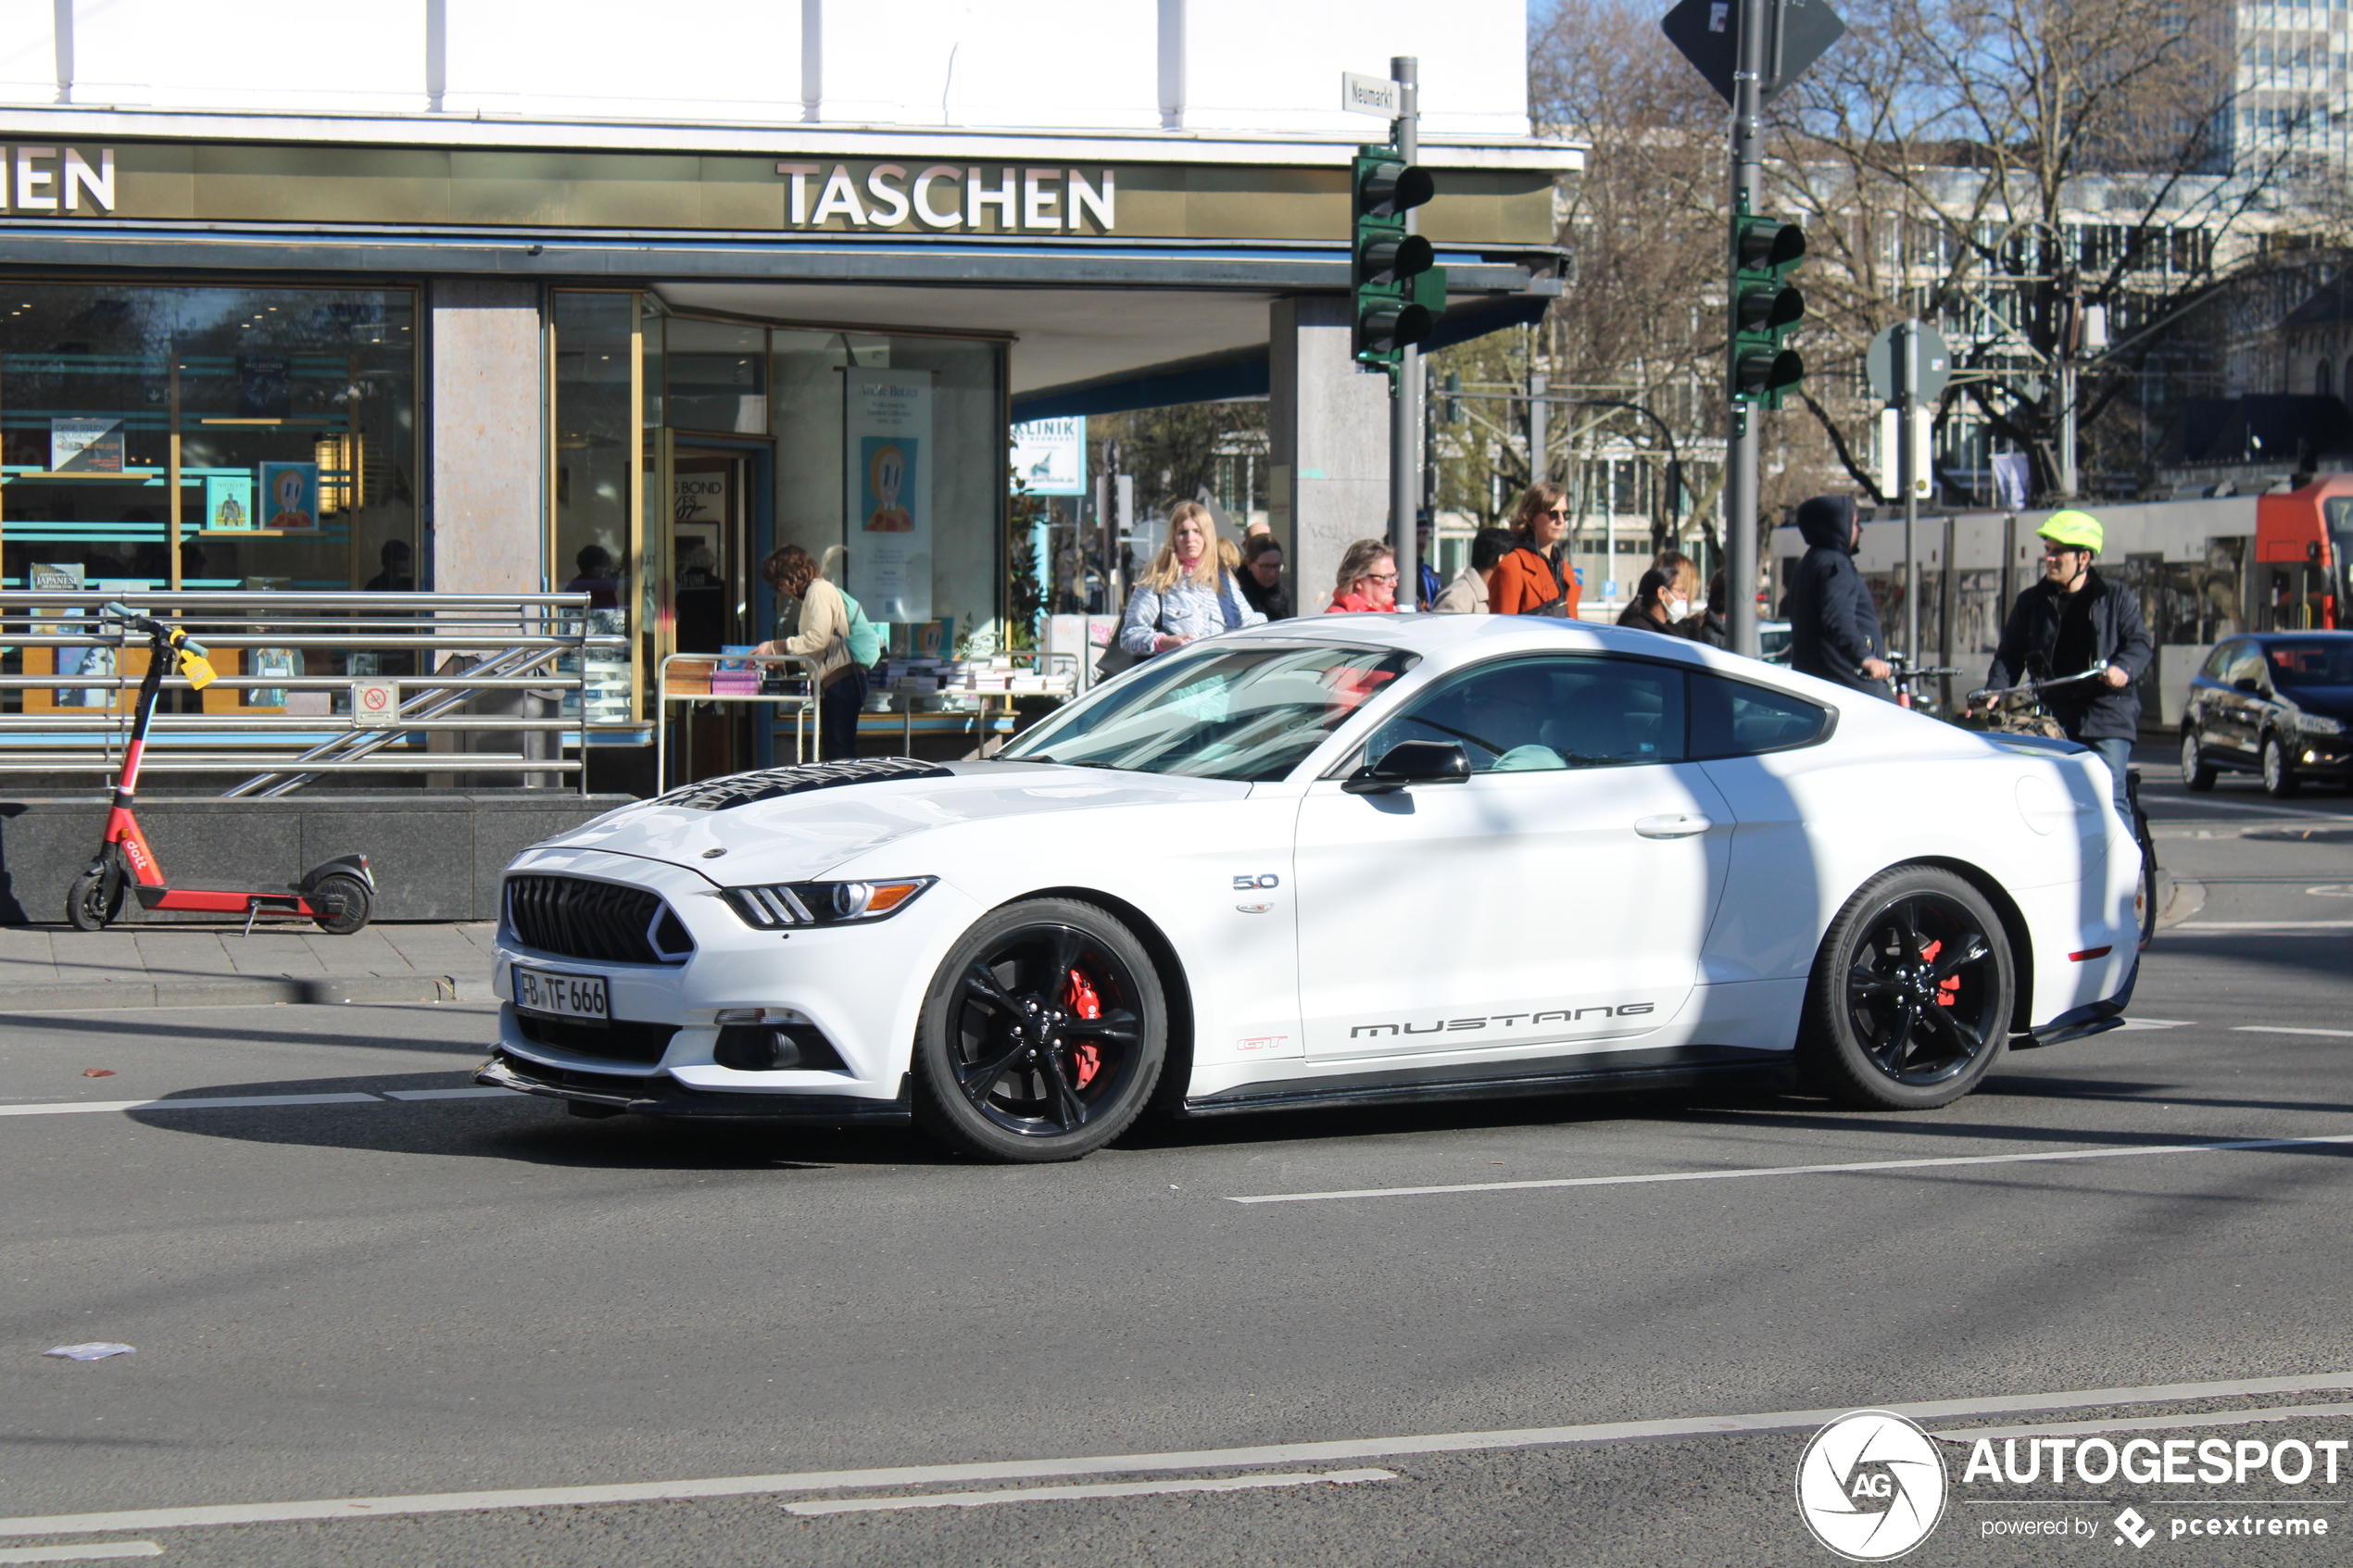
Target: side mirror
2249,685
1411,762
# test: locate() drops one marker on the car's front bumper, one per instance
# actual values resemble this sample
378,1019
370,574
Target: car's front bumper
660,1095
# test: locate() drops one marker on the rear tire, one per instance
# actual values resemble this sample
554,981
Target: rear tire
1909,1002
349,895
1042,1035
2279,774
2197,773
94,899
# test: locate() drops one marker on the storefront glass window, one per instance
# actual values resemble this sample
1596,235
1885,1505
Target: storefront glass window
593,551
291,413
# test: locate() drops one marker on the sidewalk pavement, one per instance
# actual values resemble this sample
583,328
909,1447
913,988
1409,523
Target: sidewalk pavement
159,965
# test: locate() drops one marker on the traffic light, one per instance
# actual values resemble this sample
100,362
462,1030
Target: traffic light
1453,401
1765,308
1400,295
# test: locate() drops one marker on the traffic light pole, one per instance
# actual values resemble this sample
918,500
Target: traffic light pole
1405,387
1740,469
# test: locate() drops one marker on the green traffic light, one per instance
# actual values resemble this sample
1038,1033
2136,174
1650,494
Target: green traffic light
1766,309
1400,290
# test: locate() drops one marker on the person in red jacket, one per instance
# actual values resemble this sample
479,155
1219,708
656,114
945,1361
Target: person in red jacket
1367,580
1531,579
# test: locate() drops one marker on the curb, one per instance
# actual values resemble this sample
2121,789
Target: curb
257,990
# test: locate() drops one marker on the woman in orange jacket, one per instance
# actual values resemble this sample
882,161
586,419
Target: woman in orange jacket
1529,580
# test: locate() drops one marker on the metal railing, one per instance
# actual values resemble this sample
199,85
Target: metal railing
445,657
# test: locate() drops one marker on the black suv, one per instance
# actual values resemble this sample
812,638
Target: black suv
2279,704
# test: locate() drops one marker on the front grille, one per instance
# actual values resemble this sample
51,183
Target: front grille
601,921
641,1043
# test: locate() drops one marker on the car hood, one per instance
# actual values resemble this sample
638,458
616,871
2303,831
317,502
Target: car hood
791,836
2335,702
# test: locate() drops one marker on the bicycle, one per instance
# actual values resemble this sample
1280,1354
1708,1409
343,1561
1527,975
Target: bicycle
1906,672
2020,710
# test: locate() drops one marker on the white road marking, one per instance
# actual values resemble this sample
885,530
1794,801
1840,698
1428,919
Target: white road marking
2263,925
1746,1171
1100,1489
447,1094
2147,1423
1133,1465
2283,1029
220,1102
80,1554
2287,812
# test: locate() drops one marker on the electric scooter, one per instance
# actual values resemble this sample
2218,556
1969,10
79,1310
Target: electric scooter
335,893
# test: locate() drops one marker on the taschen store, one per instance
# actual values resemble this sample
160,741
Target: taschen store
493,367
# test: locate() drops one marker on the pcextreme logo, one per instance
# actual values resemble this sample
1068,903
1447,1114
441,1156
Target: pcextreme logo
1871,1486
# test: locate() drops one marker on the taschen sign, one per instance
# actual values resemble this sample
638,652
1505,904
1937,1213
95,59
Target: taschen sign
57,180
947,195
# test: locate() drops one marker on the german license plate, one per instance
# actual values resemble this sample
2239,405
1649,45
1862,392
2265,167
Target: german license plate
560,995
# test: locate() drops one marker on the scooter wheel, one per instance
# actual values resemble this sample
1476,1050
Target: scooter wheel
93,901
346,894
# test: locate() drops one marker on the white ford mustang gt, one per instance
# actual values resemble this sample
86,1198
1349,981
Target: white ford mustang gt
1338,861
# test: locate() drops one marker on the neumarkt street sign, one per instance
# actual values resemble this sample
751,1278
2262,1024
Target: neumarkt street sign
1707,32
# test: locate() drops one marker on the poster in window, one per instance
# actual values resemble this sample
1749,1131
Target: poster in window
85,445
1050,455
290,497
228,502
887,454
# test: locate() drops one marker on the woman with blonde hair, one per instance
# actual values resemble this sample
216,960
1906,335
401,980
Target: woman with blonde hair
1366,580
1532,580
1185,593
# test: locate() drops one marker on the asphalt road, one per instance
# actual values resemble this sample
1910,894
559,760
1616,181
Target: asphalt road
380,1297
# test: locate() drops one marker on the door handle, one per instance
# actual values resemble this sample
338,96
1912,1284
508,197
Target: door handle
1672,824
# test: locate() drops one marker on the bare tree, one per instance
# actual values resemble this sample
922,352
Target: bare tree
2000,168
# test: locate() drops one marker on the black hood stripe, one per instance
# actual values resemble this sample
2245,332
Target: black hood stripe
768,783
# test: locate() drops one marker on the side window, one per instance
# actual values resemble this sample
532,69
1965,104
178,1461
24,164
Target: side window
2246,664
2219,660
1543,714
1734,718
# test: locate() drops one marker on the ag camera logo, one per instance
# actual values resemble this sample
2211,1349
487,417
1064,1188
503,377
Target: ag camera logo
1871,1486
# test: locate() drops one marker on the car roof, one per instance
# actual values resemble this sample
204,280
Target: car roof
2299,636
1433,634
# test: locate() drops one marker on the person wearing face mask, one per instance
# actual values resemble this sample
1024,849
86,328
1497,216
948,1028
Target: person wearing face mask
1667,600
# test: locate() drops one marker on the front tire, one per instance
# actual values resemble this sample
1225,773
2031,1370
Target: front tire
94,899
1909,1002
2279,775
1043,1034
2197,773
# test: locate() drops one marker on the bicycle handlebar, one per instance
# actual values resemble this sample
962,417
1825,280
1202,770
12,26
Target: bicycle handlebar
1989,694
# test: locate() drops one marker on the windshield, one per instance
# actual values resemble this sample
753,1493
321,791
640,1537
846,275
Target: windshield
1243,713
2315,663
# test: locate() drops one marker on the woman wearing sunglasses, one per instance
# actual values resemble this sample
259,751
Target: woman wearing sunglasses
1532,580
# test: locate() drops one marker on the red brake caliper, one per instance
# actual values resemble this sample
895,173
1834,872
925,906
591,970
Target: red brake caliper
1949,988
1080,998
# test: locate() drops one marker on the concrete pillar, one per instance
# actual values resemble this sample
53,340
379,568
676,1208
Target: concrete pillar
488,443
1327,426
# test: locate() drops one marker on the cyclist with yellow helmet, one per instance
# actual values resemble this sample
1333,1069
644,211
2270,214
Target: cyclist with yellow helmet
2068,621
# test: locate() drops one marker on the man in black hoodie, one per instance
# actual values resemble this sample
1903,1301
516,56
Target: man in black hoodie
1834,630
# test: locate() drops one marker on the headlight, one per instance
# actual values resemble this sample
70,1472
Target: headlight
2319,724
784,904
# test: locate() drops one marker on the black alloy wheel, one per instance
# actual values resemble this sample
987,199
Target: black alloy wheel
2279,774
1909,1002
1043,1034
2197,773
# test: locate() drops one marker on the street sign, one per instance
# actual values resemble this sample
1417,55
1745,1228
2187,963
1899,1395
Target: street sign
1929,381
375,703
1360,94
1707,32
